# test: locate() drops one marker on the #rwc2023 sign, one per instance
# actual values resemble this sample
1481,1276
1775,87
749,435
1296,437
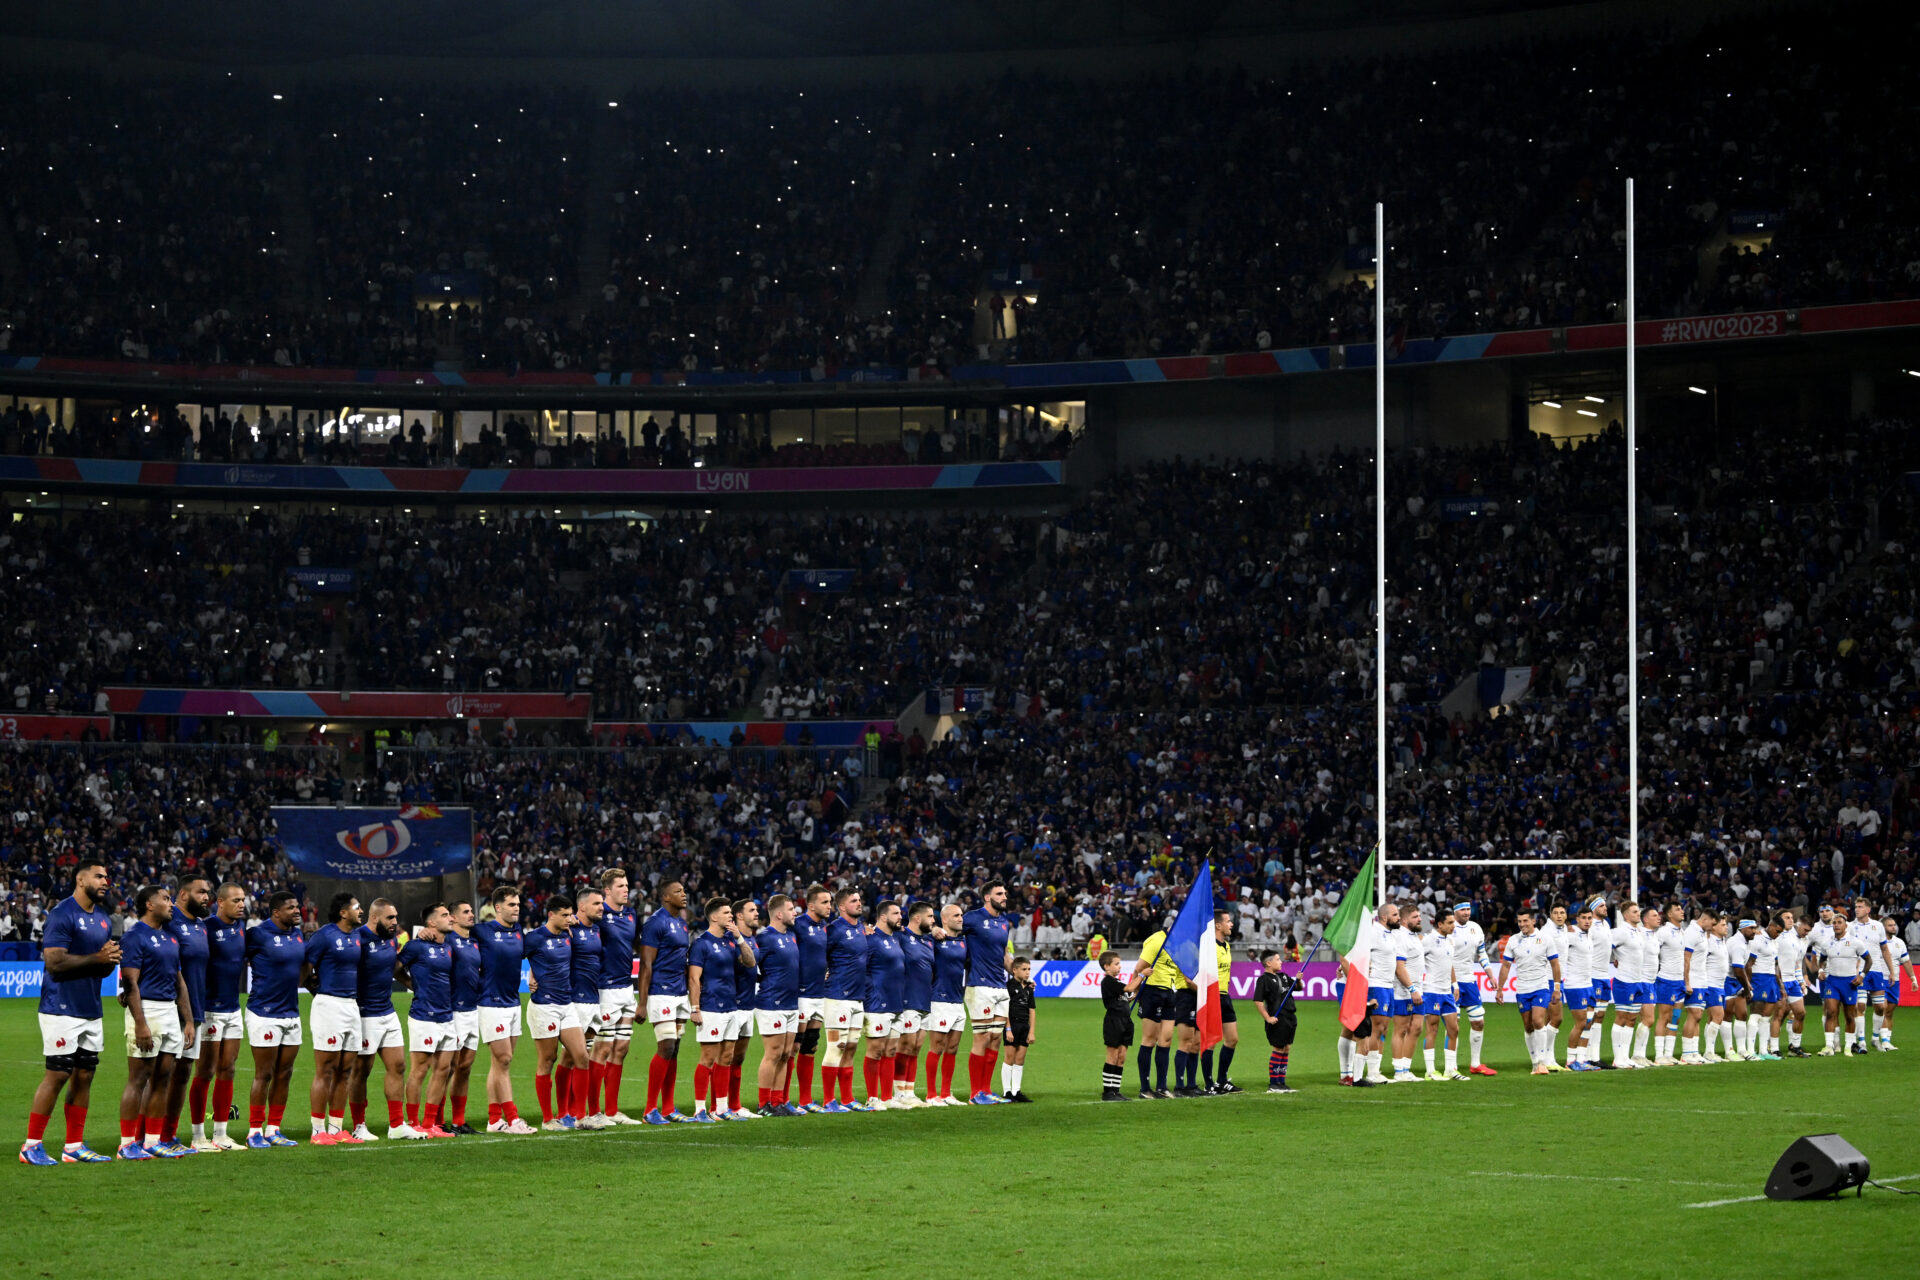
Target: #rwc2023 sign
410,843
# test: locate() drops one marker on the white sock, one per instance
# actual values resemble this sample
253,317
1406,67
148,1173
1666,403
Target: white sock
699,1106
1346,1055
1641,1034
1739,1029
1859,1026
1019,1070
151,1141
1833,1039
319,1123
1452,1060
1476,1036
1622,1042
1879,1026
1793,1037
1689,1045
1373,1063
1428,1053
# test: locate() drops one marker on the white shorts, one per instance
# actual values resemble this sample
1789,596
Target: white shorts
842,1015
813,1009
948,1017
163,1021
61,1035
335,1023
191,1052
986,1004
719,1028
882,1026
587,1015
776,1022
502,1023
380,1032
430,1037
549,1020
466,1029
269,1033
666,1009
910,1023
617,1005
223,1026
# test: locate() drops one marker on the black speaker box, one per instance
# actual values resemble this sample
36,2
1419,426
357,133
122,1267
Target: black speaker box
1821,1164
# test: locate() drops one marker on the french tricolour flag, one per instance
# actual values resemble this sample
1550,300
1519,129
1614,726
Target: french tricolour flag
1191,944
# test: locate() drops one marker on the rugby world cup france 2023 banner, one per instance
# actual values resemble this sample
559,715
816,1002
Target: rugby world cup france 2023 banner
415,842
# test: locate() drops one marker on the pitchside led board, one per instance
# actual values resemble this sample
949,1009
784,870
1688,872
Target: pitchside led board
415,842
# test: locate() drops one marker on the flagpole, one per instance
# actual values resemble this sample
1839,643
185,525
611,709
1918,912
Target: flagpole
1380,536
1633,585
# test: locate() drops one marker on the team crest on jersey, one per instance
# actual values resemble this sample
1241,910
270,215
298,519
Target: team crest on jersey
60,1044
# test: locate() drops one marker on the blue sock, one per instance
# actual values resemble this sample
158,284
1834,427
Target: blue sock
1206,1067
1145,1059
1160,1064
1183,1064
1226,1061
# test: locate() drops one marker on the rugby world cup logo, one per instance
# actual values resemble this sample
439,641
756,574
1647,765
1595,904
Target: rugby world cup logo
376,841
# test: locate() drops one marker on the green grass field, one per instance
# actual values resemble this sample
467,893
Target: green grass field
1563,1176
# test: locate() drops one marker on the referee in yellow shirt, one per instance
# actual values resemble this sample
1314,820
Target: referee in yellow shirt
1157,983
1229,1023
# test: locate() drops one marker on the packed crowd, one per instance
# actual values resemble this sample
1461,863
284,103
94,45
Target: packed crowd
1187,212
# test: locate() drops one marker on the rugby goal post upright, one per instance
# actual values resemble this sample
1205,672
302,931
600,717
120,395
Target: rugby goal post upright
1633,582
1380,538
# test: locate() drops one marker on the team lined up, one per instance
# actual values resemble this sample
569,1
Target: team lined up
195,980
1670,981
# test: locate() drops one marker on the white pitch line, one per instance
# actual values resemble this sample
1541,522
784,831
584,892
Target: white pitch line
401,1144
1715,1204
1591,1177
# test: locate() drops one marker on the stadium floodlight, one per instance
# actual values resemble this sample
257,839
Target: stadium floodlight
1551,404
1594,399
1699,391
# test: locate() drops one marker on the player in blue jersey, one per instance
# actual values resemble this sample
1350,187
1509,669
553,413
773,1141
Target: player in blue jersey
503,947
380,1031
613,1033
77,950
663,984
810,933
466,1015
192,904
988,933
714,959
221,1029
276,955
426,966
916,942
589,909
557,1034
947,1016
777,1003
885,1002
844,1008
746,923
159,1024
333,975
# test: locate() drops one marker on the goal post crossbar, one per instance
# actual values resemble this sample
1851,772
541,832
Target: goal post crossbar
1507,862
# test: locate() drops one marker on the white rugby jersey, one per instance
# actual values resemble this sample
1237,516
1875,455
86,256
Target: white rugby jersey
1406,944
1790,955
1897,947
1873,933
1845,957
1380,957
1765,952
1670,953
1437,965
1819,936
1469,948
1600,941
1737,951
1576,958
1529,955
1710,963
1693,939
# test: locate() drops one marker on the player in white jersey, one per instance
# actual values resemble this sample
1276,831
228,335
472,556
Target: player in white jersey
1842,962
1763,980
1407,996
1602,936
1632,954
1469,959
1554,929
1535,964
1790,959
1898,960
1582,957
1439,1003
1709,975
1878,980
1693,943
1822,932
1386,968
1737,990
1669,982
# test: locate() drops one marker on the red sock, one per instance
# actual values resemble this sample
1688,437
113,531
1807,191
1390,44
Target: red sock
76,1124
197,1100
413,1115
256,1117
733,1086
886,1079
673,1085
701,1076
359,1114
946,1073
460,1108
805,1061
610,1086
933,1075
723,1085
37,1125
579,1080
596,1077
869,1072
656,1076
766,1097
430,1118
169,1128
563,1086
129,1130
906,1066
979,1072
509,1111
846,1084
275,1112
393,1113
543,1090
496,1112
222,1101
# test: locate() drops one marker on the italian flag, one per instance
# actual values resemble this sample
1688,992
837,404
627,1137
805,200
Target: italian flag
1191,945
1351,934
